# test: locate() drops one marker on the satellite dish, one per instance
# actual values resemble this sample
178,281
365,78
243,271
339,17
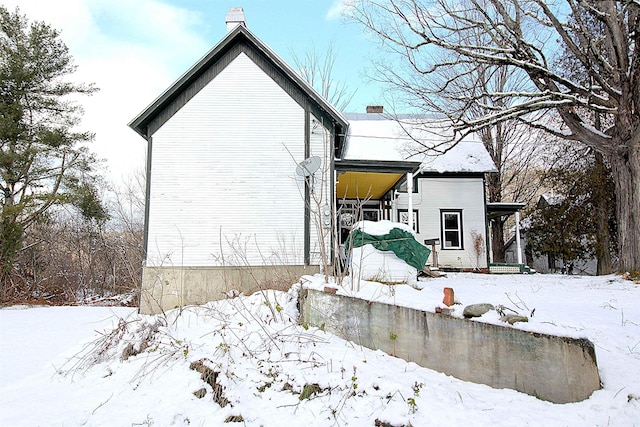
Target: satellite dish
309,166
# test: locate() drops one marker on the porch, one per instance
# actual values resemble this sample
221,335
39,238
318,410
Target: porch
365,191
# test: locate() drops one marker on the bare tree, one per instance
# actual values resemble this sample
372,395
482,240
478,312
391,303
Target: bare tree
317,69
508,142
68,257
517,160
527,36
126,229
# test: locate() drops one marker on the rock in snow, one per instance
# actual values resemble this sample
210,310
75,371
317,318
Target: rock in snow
477,310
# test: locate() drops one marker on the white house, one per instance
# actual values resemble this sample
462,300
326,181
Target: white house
253,179
386,173
227,205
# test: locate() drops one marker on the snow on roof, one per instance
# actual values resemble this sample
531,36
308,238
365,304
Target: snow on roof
380,137
552,199
466,156
375,140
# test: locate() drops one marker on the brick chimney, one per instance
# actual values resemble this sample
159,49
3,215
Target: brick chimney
235,17
375,109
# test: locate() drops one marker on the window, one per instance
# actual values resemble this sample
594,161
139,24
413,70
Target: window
403,217
369,214
402,188
451,224
352,211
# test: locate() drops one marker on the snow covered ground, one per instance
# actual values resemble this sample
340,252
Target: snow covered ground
55,370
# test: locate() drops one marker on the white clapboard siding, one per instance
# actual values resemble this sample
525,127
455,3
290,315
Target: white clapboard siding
223,182
466,194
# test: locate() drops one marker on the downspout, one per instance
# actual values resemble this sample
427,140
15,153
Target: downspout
307,190
147,197
145,233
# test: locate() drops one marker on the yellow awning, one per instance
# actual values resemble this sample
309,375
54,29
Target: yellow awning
363,185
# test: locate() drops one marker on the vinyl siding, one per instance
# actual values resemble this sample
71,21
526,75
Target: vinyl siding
465,194
223,183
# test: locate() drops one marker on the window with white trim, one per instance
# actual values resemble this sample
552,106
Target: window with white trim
403,217
451,226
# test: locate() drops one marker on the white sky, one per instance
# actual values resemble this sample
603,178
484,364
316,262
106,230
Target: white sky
133,51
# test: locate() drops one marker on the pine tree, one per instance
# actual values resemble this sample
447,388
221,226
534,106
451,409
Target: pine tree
44,161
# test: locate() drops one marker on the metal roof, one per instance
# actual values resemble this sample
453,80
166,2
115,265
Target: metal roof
380,136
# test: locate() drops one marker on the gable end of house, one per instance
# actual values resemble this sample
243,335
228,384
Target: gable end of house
240,40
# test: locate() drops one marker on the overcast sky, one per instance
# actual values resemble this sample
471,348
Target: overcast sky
134,49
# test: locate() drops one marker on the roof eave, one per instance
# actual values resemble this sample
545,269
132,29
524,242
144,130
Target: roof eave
382,166
140,122
500,209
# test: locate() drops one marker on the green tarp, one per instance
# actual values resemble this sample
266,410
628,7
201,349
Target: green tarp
400,242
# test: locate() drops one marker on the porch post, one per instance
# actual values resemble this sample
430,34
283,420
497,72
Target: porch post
410,193
518,247
394,206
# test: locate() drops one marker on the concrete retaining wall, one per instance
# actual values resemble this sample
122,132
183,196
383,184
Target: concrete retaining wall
165,288
557,369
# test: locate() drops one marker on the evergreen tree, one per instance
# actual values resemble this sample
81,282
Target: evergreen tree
44,161
568,224
560,231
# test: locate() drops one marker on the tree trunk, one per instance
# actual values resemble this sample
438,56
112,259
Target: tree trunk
497,240
625,167
603,236
11,234
494,188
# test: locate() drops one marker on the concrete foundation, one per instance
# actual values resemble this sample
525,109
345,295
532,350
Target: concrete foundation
165,288
557,369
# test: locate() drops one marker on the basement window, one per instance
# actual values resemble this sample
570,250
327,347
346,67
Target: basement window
451,226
